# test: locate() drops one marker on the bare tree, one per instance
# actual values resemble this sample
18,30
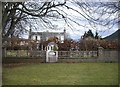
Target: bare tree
100,13
16,15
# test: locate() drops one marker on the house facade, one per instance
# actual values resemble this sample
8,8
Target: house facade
41,37
44,36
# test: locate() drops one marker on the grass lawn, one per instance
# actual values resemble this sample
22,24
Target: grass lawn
62,74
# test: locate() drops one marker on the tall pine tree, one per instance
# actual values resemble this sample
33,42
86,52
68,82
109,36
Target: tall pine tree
88,34
96,35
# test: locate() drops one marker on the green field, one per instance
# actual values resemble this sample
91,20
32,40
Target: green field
62,74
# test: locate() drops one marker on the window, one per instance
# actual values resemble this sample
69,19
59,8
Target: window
51,48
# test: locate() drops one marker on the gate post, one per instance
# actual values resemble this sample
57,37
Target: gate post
56,56
100,52
47,56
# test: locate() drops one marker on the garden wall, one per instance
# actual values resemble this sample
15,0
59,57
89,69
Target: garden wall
8,60
108,56
63,56
103,56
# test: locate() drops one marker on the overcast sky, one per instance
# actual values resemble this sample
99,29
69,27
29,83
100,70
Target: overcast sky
77,31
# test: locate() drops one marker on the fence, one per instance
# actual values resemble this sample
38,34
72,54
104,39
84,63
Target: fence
23,56
108,55
63,56
24,53
17,53
77,54
37,53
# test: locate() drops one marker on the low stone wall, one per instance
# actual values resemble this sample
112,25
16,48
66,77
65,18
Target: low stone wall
77,60
103,56
77,54
8,60
108,56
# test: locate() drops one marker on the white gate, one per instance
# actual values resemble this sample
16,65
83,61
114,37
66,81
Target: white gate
51,56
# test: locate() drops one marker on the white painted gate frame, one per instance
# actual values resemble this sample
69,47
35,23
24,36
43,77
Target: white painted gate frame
47,56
